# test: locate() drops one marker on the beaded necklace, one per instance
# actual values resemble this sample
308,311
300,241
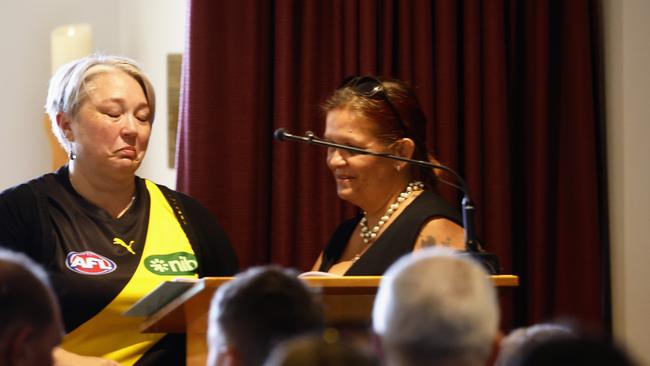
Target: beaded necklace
368,235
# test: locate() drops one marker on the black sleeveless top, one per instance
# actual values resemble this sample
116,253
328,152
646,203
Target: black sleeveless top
398,239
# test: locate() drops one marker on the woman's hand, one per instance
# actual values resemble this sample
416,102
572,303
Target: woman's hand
65,358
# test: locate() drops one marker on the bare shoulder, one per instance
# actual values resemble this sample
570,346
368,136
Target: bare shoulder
440,231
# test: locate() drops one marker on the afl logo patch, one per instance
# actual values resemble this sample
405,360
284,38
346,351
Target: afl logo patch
89,263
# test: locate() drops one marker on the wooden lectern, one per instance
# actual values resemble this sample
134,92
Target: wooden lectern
182,307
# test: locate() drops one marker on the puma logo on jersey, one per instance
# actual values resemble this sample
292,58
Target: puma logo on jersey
120,242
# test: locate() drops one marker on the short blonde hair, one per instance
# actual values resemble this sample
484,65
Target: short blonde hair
67,89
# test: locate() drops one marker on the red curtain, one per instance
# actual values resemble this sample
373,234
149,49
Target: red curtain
511,90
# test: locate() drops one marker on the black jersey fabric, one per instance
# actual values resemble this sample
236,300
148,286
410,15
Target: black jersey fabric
398,239
47,219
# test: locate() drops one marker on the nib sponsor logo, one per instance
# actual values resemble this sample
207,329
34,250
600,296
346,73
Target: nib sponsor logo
89,263
179,263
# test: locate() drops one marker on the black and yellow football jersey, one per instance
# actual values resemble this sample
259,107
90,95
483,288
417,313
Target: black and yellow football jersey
100,265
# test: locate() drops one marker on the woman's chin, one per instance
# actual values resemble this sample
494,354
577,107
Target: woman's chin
127,165
345,193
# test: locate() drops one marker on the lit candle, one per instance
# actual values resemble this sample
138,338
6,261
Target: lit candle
70,42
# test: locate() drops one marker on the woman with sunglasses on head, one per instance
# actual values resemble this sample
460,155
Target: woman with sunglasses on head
400,211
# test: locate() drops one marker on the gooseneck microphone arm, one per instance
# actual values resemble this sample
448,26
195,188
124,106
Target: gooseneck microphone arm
471,244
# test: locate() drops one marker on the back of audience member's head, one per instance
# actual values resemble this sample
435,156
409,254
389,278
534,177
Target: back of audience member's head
436,308
30,321
258,309
521,339
317,350
573,351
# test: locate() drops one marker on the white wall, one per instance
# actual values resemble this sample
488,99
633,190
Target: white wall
25,65
150,29
627,56
145,30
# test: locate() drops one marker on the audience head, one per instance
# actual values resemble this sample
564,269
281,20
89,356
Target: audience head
30,321
317,350
258,309
573,351
67,90
522,339
435,307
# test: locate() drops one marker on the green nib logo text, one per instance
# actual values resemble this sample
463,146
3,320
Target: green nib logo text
174,264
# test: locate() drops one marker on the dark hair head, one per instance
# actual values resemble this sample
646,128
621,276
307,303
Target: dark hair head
518,341
319,350
262,307
25,295
574,352
395,111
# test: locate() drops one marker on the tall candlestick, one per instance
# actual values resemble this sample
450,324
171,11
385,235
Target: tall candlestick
67,43
70,42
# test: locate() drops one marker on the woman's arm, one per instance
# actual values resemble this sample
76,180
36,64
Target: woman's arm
439,231
217,255
20,224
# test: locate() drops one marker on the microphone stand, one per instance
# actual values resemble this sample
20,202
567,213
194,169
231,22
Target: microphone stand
488,260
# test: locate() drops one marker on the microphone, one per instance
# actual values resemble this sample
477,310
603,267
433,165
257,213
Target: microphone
489,260
281,134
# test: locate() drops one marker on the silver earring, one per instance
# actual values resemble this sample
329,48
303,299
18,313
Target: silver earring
398,167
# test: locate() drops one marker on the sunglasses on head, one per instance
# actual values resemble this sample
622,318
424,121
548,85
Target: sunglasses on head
372,88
